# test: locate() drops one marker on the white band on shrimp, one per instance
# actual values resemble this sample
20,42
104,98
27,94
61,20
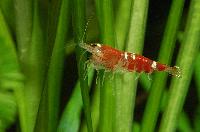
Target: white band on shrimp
126,55
133,56
154,65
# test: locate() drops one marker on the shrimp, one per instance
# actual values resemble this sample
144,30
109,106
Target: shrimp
111,59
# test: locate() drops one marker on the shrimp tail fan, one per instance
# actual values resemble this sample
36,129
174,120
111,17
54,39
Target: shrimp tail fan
174,71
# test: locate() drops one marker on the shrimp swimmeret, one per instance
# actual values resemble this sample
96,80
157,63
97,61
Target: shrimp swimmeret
111,59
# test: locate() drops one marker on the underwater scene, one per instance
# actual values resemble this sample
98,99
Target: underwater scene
99,66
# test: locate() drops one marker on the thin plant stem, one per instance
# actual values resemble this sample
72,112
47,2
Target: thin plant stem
79,28
70,120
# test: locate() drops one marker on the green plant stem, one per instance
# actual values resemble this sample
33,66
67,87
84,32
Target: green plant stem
126,84
197,78
136,127
152,108
122,16
95,110
24,22
79,28
187,54
51,94
197,74
105,18
136,32
70,120
125,101
124,93
23,15
54,8
184,123
35,69
104,11
145,82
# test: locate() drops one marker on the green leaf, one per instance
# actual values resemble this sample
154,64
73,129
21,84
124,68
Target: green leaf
32,55
35,69
51,94
56,66
7,8
95,110
10,76
8,110
9,65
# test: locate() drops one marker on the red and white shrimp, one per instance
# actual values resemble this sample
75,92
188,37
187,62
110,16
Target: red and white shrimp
111,59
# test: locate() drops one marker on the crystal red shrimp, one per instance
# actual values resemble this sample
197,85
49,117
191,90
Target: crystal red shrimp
111,59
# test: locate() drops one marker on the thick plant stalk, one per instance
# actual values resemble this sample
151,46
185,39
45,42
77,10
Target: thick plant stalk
104,11
126,84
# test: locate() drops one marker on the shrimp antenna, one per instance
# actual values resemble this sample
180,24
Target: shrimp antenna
84,34
86,27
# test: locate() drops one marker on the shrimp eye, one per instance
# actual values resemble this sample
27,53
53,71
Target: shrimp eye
93,45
